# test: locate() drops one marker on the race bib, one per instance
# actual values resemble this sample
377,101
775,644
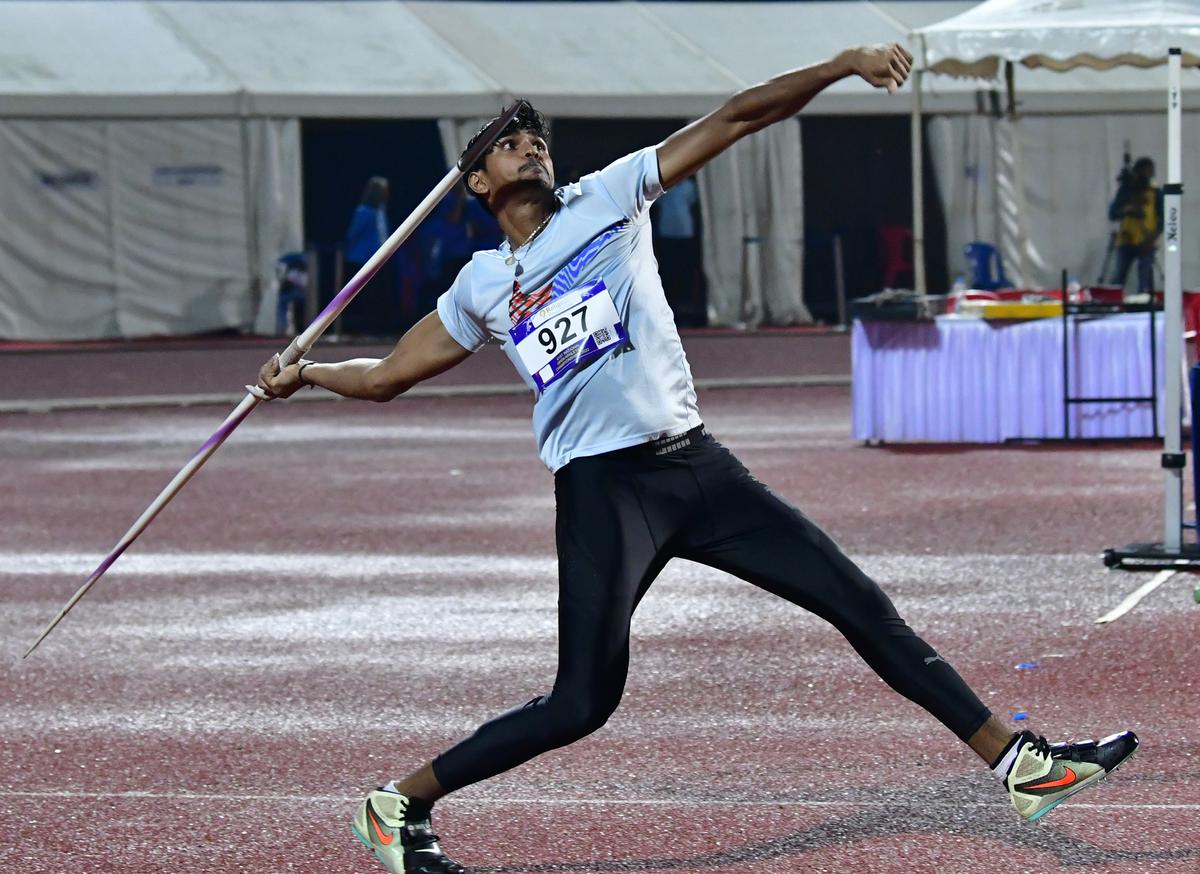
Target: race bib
569,330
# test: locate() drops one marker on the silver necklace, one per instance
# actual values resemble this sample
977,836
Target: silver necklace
512,254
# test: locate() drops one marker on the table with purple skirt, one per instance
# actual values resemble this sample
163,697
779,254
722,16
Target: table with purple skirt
968,380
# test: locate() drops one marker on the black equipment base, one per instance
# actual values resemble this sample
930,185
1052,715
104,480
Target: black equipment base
1153,557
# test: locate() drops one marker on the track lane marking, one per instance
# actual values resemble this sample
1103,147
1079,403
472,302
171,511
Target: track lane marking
17,563
1135,597
556,802
126,402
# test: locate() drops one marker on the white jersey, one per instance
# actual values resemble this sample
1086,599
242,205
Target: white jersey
632,383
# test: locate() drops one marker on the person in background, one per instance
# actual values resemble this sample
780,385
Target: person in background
368,225
377,311
678,251
1138,206
483,228
291,272
458,228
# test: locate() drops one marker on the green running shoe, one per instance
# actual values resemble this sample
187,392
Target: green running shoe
1043,775
403,842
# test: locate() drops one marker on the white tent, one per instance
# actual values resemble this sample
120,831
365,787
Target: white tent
151,150
1100,34
196,104
1062,35
1096,41
460,59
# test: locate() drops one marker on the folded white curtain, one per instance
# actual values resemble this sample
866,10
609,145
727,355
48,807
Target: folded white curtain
752,206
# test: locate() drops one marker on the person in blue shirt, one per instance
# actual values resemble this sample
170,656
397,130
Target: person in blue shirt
677,246
291,273
378,310
573,298
368,224
458,227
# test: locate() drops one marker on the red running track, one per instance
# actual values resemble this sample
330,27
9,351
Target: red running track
348,588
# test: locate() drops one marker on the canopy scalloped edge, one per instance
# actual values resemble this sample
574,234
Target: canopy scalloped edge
989,67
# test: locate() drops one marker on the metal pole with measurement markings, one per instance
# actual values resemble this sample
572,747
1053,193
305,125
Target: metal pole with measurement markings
1173,457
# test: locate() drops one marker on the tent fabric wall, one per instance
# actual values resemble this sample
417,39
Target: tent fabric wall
751,205
59,274
1070,165
273,156
136,228
178,226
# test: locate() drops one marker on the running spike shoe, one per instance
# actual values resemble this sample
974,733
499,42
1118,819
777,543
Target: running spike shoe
405,844
1043,775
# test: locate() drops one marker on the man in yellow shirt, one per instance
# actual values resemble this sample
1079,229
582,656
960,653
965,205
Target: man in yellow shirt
1138,207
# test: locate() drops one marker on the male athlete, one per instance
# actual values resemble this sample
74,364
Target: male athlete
574,298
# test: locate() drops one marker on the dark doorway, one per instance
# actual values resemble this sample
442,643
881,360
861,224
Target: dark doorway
338,158
858,181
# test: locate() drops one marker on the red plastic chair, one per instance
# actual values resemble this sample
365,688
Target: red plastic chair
895,243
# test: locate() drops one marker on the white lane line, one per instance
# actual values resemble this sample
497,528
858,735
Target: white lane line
121,402
21,563
1135,597
50,405
557,802
280,564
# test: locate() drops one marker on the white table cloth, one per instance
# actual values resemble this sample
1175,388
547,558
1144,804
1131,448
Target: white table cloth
970,380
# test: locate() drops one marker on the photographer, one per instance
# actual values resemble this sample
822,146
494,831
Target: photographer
1138,207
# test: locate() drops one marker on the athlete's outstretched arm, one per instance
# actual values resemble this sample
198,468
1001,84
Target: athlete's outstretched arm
690,148
424,351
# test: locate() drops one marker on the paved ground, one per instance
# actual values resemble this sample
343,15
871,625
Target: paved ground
348,588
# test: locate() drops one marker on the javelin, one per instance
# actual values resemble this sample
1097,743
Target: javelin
293,353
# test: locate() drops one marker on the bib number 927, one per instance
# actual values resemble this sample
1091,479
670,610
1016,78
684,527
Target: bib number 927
570,330
565,329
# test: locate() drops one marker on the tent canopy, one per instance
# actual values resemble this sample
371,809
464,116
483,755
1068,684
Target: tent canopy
203,58
1063,35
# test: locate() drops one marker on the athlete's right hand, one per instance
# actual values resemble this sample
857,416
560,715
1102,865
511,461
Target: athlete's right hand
887,65
276,382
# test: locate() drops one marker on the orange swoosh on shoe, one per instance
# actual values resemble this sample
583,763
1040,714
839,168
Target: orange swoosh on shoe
1066,780
386,840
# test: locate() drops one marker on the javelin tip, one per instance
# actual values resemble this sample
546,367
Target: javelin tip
42,637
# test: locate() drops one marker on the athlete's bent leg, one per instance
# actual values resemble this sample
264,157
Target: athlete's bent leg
607,560
759,537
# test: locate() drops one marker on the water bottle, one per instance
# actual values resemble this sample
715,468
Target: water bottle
958,293
1074,291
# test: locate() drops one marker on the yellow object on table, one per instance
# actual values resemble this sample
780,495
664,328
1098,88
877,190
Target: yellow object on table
1005,309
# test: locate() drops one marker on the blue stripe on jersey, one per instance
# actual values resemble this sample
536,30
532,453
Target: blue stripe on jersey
565,279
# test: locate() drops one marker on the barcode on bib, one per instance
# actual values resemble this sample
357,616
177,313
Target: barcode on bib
602,336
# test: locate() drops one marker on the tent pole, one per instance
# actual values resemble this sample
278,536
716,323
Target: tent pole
1173,305
250,206
1010,91
918,186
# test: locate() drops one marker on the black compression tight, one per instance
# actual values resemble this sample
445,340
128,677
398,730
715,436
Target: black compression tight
621,517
